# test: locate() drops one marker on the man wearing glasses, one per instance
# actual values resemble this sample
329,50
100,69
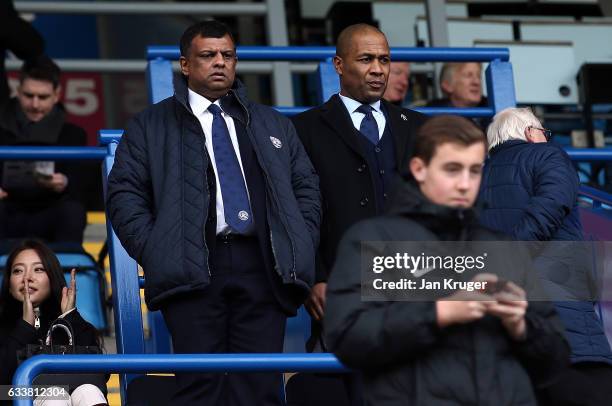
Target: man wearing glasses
529,190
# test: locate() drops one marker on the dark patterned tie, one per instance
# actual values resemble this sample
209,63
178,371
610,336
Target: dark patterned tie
235,198
368,126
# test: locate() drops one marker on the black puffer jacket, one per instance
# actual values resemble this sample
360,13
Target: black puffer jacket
405,357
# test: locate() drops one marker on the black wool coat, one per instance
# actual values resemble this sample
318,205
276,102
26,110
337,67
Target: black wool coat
347,188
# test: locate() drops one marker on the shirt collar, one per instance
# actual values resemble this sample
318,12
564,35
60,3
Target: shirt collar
198,103
352,104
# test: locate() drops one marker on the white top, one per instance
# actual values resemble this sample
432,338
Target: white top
199,106
352,105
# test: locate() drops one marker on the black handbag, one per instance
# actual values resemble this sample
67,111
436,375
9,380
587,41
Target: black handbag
48,348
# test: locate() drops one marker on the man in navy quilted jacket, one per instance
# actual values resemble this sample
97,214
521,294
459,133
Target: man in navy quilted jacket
529,191
215,197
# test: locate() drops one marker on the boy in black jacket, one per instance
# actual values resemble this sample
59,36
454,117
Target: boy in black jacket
478,347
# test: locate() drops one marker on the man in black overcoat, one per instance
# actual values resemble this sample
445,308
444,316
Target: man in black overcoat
358,143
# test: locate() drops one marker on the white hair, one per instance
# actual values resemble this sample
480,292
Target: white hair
510,124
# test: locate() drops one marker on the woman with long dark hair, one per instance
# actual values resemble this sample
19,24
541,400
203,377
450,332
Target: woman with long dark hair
34,294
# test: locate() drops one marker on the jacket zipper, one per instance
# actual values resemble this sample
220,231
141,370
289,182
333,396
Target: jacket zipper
37,318
292,273
209,197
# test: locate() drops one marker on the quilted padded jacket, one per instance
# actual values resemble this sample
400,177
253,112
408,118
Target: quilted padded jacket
529,191
158,193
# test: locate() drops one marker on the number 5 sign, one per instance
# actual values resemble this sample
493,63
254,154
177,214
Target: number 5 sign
83,100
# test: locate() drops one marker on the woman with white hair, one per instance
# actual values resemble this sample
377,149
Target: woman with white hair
529,190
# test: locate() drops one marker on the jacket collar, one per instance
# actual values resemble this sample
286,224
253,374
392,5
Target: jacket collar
235,102
506,145
335,114
449,223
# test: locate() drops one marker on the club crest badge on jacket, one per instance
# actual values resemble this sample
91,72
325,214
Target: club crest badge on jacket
276,142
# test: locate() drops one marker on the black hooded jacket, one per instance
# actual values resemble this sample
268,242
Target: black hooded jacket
406,359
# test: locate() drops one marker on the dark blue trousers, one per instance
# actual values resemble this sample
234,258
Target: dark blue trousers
236,313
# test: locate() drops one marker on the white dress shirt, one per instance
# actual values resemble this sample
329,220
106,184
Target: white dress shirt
352,105
199,106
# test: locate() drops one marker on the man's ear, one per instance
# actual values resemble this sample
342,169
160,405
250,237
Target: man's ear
447,88
528,135
418,168
338,64
57,93
184,64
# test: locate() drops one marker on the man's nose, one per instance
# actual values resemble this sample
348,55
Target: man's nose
376,67
219,59
35,102
464,181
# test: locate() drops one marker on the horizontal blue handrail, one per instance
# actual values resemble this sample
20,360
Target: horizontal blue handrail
295,53
108,136
466,112
53,153
589,154
163,363
291,111
597,196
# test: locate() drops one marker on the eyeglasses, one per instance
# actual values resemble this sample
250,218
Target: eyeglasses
547,133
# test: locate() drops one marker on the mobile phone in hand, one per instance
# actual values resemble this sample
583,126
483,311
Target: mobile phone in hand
495,287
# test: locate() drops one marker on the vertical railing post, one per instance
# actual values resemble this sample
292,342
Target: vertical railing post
159,79
329,83
500,85
126,291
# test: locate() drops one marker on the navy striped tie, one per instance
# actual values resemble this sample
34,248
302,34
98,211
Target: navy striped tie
235,198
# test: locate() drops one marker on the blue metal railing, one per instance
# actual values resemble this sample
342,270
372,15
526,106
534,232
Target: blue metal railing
466,112
500,82
597,197
160,363
589,154
52,153
261,53
110,136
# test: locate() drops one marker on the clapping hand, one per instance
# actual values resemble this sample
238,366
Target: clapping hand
28,309
69,293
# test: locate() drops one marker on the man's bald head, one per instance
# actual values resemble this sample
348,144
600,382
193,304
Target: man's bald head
346,37
362,61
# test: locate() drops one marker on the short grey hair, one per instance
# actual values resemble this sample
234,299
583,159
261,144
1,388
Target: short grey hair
447,73
510,124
